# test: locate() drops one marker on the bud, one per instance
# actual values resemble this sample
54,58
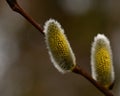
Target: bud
58,46
101,61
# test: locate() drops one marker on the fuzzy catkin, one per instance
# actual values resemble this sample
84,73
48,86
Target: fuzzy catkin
101,61
58,46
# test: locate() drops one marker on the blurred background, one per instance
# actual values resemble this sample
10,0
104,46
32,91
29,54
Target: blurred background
25,66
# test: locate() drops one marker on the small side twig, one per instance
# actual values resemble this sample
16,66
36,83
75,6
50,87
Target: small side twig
16,7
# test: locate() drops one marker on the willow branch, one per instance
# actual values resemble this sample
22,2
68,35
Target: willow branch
16,7
82,72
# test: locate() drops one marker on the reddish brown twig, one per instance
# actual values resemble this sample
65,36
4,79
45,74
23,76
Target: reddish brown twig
16,7
80,71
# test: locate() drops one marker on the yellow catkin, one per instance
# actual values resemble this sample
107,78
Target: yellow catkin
101,61
58,46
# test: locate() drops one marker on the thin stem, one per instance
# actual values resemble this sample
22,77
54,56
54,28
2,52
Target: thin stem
80,71
16,7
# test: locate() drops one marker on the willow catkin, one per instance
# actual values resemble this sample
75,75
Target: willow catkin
101,61
58,46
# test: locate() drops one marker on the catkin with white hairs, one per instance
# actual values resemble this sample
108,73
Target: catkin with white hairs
58,46
101,61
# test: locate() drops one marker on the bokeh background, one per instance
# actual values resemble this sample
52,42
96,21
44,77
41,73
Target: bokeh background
25,66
